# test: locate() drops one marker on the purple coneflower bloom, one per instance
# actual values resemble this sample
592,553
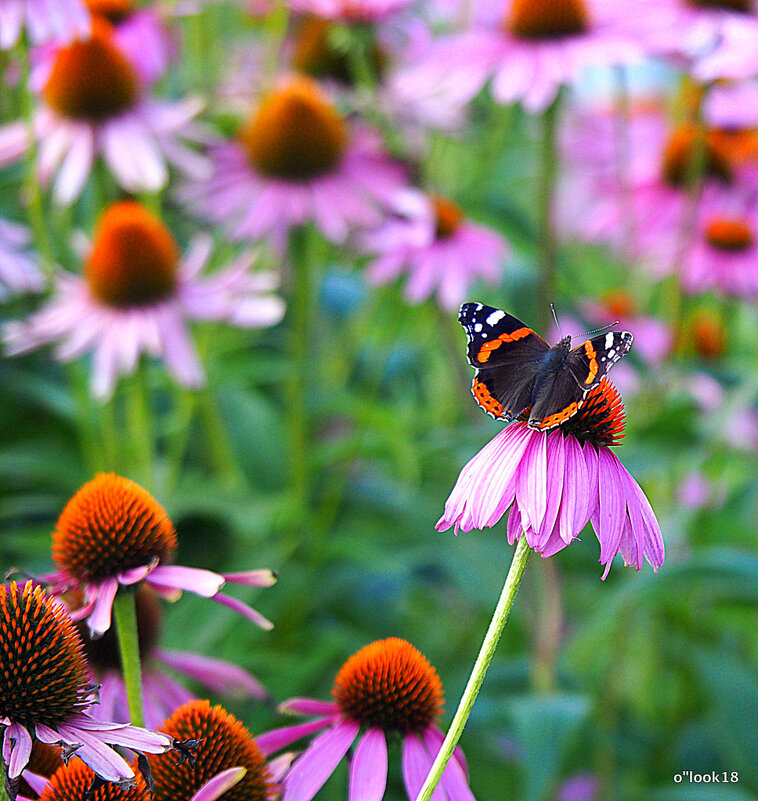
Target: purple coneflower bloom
296,160
228,760
582,787
45,692
386,690
93,103
19,273
113,534
162,694
555,483
137,296
44,20
441,251
530,49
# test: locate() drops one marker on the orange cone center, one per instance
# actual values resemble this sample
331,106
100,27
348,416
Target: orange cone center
448,217
729,234
113,10
679,157
92,80
619,303
745,6
296,133
547,19
134,259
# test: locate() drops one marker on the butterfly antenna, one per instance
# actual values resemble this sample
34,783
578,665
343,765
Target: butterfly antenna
599,330
555,317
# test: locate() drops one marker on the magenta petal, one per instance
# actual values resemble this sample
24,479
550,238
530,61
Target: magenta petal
368,772
217,675
531,481
278,767
453,779
244,609
308,706
192,579
100,757
273,741
253,578
100,620
136,574
417,762
574,505
318,761
436,737
219,784
610,515
590,461
35,781
514,527
20,751
555,483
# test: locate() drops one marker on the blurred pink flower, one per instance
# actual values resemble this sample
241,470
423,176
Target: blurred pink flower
428,238
350,11
138,295
736,55
529,48
19,271
387,690
296,160
92,104
582,787
44,20
112,535
556,483
694,492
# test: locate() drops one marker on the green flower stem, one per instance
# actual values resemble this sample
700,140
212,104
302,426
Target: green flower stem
301,291
3,791
547,240
125,612
491,639
36,208
139,414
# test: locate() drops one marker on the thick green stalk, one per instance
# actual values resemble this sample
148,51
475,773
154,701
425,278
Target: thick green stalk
125,612
491,639
547,240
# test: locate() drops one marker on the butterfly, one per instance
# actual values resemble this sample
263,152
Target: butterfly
516,370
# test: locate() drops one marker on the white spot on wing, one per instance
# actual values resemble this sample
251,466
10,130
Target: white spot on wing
478,327
609,341
495,317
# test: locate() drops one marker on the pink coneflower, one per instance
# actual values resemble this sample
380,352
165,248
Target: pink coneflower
530,48
19,272
92,104
429,239
296,160
386,690
140,33
582,787
113,534
45,692
162,694
723,255
44,20
137,296
227,760
351,11
556,483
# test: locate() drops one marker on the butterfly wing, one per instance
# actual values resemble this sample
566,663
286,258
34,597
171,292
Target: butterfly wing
561,397
507,355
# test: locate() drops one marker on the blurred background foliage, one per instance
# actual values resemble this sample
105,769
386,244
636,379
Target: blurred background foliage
631,680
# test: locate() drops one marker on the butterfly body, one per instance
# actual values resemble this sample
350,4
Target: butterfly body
516,370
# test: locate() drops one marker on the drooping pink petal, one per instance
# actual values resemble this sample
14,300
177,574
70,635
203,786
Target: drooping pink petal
368,771
136,574
275,740
35,781
193,579
308,706
318,761
253,578
244,609
531,481
20,750
417,762
453,779
219,784
100,620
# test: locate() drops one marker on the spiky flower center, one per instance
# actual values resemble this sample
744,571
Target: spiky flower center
744,6
92,79
708,335
114,11
76,782
547,19
111,525
226,743
391,685
314,54
601,418
134,259
43,672
103,653
296,133
681,154
730,234
619,303
447,216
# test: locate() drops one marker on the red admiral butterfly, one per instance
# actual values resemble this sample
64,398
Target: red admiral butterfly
517,370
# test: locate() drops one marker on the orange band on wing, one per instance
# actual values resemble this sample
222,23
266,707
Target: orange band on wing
488,347
558,418
592,356
485,399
